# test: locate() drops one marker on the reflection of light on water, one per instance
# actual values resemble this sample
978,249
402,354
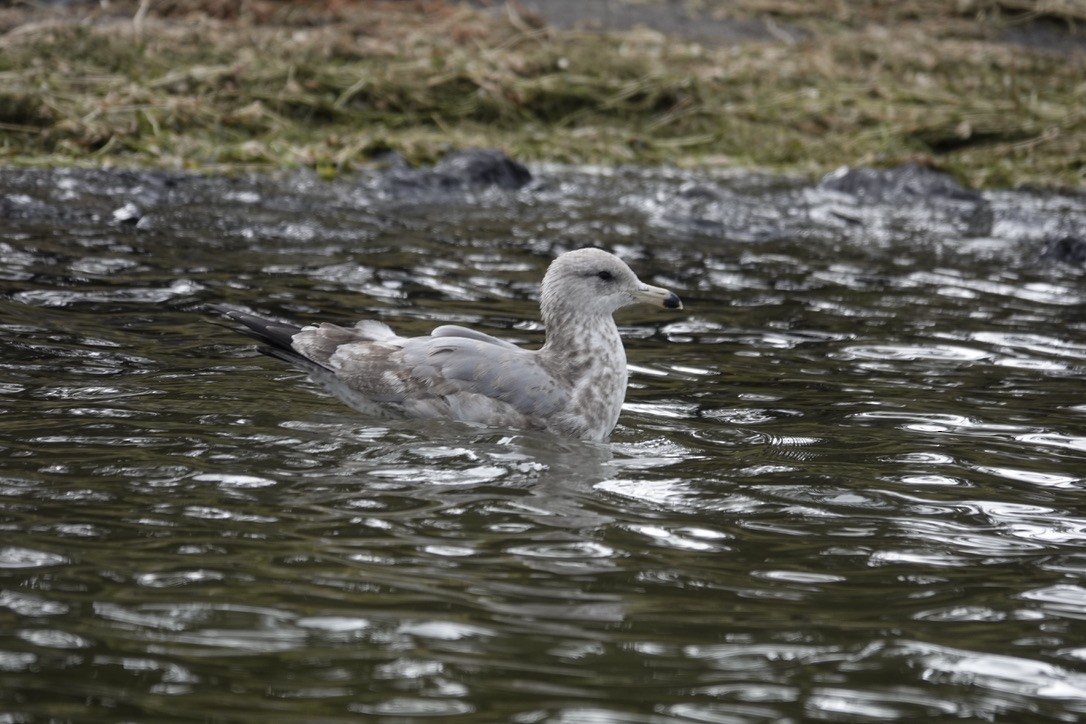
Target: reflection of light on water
16,557
993,672
232,480
439,476
1055,440
909,353
660,492
132,295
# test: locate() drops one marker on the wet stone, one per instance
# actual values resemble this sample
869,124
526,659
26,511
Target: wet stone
1067,249
468,170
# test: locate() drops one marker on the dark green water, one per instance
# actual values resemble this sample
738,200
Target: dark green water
848,485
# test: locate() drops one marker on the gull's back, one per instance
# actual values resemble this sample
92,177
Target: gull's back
454,373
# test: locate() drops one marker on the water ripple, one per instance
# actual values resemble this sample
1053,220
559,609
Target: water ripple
846,484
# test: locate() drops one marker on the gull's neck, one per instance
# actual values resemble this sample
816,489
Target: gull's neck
578,335
586,352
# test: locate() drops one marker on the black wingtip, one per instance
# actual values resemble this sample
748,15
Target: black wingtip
276,337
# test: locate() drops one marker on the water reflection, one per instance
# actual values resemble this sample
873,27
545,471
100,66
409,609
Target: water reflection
845,486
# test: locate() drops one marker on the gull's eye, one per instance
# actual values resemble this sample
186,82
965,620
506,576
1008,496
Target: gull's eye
605,275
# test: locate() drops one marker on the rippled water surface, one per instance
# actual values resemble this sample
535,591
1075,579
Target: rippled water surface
848,483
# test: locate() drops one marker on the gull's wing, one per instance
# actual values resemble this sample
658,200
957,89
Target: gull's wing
455,372
454,330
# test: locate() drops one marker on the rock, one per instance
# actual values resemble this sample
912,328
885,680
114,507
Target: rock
909,196
1067,249
484,167
469,170
909,182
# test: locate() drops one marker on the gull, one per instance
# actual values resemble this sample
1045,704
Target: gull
573,386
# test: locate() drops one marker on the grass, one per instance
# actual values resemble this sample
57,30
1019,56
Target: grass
333,84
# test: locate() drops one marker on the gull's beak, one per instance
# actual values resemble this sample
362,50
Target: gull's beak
658,297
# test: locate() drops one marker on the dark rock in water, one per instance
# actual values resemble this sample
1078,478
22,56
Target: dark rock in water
1067,249
484,167
694,192
469,170
908,196
910,183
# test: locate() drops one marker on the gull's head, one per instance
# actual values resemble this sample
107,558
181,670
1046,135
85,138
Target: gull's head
590,281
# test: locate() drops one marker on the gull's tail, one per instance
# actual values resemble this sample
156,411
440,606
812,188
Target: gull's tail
276,338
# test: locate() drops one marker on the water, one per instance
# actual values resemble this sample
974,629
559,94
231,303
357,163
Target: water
847,485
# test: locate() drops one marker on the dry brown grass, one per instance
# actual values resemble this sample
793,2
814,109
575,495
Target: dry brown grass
330,84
